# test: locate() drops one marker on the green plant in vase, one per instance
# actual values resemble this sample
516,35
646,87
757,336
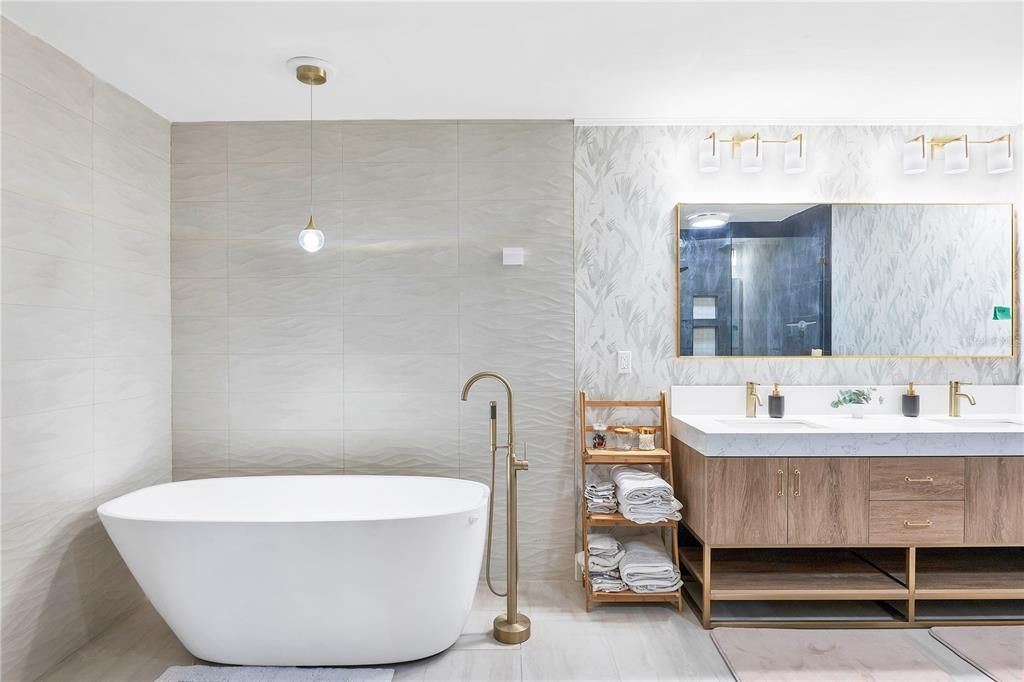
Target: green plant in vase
856,399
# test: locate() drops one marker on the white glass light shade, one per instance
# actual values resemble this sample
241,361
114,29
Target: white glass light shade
794,160
751,156
310,237
956,158
915,157
1000,157
705,221
710,155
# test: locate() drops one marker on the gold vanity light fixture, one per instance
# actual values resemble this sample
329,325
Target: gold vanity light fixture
751,152
956,153
310,71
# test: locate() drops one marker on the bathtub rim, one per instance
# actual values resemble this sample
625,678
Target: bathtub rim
103,510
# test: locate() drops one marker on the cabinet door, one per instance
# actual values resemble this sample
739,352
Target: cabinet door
746,502
994,507
828,500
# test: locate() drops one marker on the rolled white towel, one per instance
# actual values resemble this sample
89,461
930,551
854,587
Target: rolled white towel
652,512
605,563
603,544
647,566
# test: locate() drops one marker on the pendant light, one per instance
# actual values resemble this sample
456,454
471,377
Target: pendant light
310,71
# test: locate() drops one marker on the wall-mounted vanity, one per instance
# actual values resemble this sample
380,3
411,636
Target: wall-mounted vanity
820,518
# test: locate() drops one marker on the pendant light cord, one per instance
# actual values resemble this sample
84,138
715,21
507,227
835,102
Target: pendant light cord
310,149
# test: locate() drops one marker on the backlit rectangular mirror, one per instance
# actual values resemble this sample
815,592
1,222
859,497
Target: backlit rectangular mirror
845,280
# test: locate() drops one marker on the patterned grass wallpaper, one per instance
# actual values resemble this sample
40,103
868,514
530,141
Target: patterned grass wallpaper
627,183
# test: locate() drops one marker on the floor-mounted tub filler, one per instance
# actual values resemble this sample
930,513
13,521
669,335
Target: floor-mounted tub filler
306,570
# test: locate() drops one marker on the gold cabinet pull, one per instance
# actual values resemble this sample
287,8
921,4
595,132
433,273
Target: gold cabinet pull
926,479
917,524
796,483
782,483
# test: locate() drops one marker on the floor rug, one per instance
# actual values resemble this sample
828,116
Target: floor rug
997,651
775,655
233,673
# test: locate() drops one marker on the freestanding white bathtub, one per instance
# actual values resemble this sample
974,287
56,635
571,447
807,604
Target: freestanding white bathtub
306,570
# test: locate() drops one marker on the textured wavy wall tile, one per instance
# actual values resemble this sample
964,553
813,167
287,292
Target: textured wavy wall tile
31,332
38,280
40,385
126,205
282,220
280,296
418,332
420,410
520,334
401,295
526,372
200,374
199,220
382,219
515,142
131,377
195,297
199,335
130,164
33,439
69,232
399,142
286,411
268,142
54,75
267,258
46,176
491,297
292,373
268,335
53,487
122,423
199,182
382,373
199,411
121,247
510,219
126,334
402,257
199,143
268,181
548,258
31,117
429,452
200,448
285,449
505,181
135,123
132,466
408,181
126,291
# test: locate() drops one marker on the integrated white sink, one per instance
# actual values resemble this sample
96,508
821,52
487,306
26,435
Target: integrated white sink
990,423
768,424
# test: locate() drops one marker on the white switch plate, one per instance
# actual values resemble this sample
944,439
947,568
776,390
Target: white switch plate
625,362
513,255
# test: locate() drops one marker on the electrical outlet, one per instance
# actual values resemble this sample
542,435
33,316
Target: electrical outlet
625,362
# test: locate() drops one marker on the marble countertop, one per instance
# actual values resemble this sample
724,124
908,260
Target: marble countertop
830,435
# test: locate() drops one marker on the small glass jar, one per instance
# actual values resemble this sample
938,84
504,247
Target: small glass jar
646,438
624,438
599,441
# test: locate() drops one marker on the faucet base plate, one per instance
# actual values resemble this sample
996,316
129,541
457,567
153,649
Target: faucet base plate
512,633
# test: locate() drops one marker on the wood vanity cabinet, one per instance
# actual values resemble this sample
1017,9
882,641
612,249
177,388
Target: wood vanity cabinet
828,500
994,501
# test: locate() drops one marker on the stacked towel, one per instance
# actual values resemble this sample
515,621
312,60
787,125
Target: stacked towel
605,554
643,496
600,492
647,566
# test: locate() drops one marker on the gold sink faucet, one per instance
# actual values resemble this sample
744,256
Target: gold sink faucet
753,399
954,397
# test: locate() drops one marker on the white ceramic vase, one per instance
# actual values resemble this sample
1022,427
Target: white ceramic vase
857,411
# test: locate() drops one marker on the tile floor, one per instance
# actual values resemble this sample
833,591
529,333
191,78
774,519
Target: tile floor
613,642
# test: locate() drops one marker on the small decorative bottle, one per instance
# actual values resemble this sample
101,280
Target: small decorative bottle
911,402
625,438
646,438
776,403
600,440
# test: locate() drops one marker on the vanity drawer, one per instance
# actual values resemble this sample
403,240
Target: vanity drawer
912,523
917,478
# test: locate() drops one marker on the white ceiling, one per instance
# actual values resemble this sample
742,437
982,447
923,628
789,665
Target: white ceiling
919,62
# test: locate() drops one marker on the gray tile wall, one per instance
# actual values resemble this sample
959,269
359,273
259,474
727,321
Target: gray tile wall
86,343
351,360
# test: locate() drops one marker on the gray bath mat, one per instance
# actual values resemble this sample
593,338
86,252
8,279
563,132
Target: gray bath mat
233,673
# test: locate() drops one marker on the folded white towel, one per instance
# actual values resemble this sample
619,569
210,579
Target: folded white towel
647,566
603,544
652,512
605,563
600,492
639,483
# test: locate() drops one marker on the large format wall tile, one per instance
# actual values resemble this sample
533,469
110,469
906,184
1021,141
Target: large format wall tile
86,347
293,362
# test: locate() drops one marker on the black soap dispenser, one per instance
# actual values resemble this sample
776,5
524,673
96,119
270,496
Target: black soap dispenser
776,403
911,402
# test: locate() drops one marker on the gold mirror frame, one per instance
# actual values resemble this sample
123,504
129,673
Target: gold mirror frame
1014,305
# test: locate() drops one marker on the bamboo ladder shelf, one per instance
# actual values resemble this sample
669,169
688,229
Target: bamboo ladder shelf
660,457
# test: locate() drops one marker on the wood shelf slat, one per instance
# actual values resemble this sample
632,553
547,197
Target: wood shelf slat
631,596
620,520
995,573
656,456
